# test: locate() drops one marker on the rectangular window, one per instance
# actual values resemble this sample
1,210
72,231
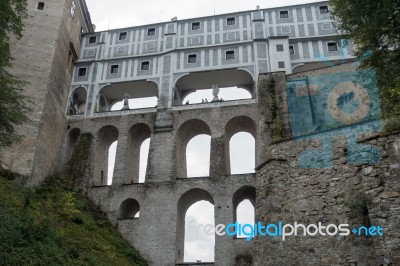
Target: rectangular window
291,50
123,36
114,69
145,66
151,32
281,64
284,14
195,25
279,47
73,7
230,21
192,58
93,39
40,6
323,9
332,46
82,72
230,55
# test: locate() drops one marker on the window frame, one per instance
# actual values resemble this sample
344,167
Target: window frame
92,38
229,53
191,56
145,63
40,6
323,8
280,66
291,50
280,48
229,21
282,12
113,67
196,25
123,34
329,45
151,32
81,69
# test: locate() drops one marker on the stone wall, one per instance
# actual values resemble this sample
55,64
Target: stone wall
352,194
41,58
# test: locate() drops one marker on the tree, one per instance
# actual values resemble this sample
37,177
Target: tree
13,104
374,27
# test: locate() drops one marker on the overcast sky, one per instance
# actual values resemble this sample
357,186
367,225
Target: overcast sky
107,14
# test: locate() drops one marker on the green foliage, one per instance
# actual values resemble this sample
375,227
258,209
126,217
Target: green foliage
76,168
276,121
374,26
49,225
69,208
13,104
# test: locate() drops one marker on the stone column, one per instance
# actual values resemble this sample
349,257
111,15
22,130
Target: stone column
217,156
119,177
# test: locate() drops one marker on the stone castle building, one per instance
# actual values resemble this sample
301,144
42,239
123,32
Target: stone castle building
267,52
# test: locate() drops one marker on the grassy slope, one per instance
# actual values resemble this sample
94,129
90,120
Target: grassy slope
53,226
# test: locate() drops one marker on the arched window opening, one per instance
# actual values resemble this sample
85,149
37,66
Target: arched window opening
224,94
242,153
77,102
103,104
128,95
240,143
146,102
199,245
245,215
129,209
137,151
243,206
112,152
144,155
195,152
198,156
214,86
106,145
195,236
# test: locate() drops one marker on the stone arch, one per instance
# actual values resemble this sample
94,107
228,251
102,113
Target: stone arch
243,193
185,133
77,101
128,209
72,139
202,80
236,125
104,138
138,133
185,201
116,92
103,104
